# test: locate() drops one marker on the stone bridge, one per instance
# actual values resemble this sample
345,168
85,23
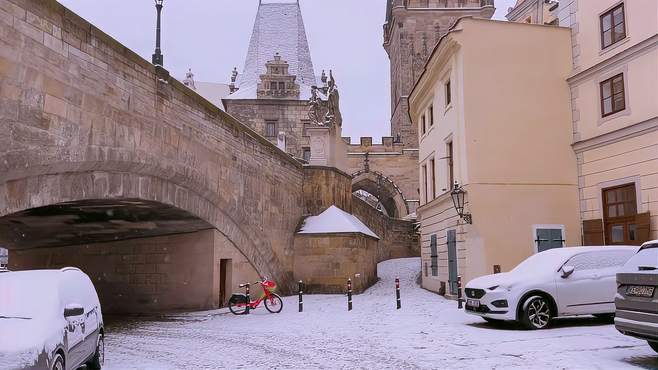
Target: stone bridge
109,164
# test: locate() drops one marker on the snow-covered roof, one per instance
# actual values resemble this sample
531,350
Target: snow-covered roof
278,28
335,221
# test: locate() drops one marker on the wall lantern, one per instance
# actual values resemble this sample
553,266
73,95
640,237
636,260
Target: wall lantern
458,198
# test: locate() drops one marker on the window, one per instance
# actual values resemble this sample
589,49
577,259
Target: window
425,181
431,114
451,168
434,255
548,238
433,173
613,98
273,86
448,93
282,85
599,260
270,128
613,27
619,215
423,128
306,154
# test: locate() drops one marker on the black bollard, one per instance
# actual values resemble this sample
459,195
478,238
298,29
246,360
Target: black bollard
349,294
459,293
397,293
301,296
248,300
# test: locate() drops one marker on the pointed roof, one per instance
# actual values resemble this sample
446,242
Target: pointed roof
335,221
278,28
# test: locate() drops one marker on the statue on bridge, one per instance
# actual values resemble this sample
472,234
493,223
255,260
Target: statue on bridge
325,112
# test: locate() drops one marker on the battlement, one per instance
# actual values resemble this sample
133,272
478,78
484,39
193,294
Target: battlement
365,145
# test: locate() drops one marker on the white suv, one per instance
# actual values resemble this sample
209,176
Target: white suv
557,282
50,319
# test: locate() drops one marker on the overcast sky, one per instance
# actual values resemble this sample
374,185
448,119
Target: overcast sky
212,37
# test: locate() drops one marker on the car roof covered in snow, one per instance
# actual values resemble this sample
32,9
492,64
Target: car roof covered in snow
335,221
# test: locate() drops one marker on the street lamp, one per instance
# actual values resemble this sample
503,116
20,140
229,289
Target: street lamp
458,198
158,58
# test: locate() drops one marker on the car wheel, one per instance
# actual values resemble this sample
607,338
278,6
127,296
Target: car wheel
654,346
96,362
58,362
536,313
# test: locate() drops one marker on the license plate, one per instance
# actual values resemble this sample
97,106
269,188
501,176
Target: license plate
473,303
640,291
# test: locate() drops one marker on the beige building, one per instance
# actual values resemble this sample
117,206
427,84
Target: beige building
614,97
502,131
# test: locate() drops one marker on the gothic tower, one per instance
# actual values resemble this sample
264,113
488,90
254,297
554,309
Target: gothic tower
412,29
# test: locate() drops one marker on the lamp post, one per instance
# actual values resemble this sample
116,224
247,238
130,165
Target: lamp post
158,58
458,199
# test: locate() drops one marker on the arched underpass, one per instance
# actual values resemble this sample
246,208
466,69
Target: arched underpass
383,189
142,255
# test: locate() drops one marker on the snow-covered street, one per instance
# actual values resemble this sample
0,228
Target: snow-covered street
428,332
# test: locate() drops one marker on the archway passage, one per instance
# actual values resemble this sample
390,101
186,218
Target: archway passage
94,221
384,190
142,255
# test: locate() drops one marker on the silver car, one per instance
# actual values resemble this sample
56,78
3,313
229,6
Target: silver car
637,296
50,319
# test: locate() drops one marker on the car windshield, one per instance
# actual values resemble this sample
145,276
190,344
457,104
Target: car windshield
646,258
26,297
540,262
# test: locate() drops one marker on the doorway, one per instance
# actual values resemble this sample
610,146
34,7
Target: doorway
225,274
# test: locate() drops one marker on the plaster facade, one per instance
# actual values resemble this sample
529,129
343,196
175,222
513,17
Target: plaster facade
492,136
620,148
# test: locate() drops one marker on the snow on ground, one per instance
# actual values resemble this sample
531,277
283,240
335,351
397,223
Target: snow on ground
429,332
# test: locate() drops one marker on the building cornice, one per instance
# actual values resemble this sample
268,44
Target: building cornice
638,129
640,48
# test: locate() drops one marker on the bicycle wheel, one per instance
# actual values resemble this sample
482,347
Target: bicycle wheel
237,306
274,304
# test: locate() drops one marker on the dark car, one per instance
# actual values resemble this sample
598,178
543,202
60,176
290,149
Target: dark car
637,295
51,320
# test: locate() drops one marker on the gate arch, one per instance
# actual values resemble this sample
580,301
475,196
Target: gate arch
384,189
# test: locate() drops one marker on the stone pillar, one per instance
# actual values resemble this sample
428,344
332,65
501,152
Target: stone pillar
327,147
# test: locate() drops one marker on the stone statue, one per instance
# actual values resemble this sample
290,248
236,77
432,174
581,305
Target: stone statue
325,112
333,100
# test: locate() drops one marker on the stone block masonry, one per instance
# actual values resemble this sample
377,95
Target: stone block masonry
86,118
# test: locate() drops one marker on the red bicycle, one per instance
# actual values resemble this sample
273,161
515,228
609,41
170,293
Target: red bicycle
240,304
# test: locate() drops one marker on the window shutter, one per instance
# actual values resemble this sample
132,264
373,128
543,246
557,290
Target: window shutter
593,232
643,221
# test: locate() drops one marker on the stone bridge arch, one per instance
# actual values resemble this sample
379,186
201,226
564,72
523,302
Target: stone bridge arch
85,119
382,187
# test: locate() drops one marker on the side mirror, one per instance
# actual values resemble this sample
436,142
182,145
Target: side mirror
567,271
73,310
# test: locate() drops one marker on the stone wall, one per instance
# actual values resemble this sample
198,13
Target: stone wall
324,187
178,272
351,256
289,115
398,238
84,117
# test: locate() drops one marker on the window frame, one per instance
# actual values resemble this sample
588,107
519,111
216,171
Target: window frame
267,126
610,13
430,111
537,227
424,174
423,127
450,153
434,255
433,173
613,93
448,92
